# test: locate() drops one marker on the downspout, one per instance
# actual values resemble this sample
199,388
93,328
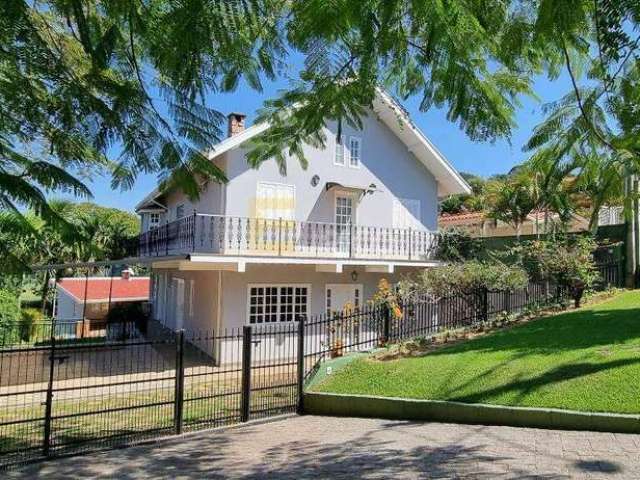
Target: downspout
217,332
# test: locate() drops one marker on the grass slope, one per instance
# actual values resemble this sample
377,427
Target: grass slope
586,360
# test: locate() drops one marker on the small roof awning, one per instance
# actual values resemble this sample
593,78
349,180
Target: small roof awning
354,188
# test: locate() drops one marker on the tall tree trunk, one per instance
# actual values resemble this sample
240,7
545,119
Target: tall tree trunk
546,221
631,221
44,292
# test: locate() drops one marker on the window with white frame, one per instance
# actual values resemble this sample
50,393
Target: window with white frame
355,151
277,303
154,220
275,200
339,154
180,211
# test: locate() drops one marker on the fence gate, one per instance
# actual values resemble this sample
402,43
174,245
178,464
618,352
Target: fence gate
270,370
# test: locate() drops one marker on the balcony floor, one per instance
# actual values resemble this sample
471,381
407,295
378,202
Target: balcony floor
239,263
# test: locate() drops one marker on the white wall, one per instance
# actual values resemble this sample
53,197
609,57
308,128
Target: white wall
386,162
234,286
233,308
66,306
203,317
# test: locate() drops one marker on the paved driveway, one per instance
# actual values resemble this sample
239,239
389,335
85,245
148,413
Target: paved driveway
324,447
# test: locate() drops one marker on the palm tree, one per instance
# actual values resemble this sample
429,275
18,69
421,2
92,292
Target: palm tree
511,201
552,189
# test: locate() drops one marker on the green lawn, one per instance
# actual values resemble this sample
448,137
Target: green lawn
587,360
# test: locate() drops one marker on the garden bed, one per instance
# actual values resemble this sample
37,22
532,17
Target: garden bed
583,360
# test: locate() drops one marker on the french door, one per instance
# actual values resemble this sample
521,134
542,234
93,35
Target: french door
344,220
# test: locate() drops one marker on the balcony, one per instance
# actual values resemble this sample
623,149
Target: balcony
241,236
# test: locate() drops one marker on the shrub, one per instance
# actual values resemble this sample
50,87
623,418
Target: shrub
387,297
9,317
30,318
457,278
568,261
456,245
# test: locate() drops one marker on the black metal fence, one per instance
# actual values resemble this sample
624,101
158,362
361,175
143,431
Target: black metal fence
71,395
36,333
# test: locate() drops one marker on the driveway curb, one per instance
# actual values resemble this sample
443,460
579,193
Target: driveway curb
456,412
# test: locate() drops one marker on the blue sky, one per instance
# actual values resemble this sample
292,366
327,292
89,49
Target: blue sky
476,157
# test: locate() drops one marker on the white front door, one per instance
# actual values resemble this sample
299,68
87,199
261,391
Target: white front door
343,295
344,220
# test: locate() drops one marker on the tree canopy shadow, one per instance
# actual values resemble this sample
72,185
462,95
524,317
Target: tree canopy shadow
212,456
526,386
566,331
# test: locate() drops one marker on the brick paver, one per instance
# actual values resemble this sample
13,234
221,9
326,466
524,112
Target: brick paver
326,447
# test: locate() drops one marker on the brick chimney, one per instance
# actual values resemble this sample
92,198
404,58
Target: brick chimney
236,123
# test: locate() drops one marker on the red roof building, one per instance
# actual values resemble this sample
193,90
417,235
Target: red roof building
101,289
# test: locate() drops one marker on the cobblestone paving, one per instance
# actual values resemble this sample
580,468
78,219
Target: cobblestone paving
326,447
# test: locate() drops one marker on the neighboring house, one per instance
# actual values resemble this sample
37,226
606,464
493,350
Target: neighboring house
611,215
86,301
266,246
477,224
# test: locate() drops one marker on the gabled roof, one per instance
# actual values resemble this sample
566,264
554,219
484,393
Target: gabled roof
396,118
100,289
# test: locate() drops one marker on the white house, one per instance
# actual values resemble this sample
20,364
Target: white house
266,247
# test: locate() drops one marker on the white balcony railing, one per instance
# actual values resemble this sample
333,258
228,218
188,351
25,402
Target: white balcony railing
224,235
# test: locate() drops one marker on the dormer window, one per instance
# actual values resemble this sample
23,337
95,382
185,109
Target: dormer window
339,154
180,211
355,151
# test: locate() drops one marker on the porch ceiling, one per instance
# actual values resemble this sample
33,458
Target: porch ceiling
239,264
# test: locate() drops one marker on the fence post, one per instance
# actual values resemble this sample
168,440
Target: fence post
166,238
48,409
193,231
507,294
246,373
300,371
485,304
179,387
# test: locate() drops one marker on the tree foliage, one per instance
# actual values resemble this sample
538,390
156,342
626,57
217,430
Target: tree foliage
465,277
457,245
466,202
512,200
89,233
120,87
592,132
568,261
